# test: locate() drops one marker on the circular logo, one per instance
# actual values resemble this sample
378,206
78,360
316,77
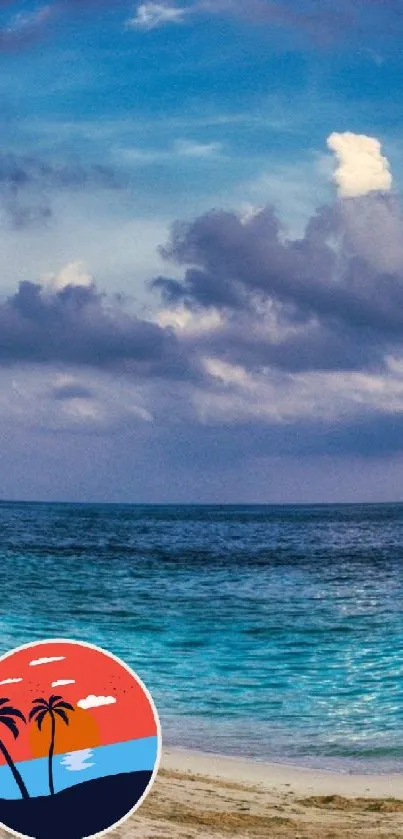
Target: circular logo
80,740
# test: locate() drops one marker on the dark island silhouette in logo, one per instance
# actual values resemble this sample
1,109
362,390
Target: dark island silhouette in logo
80,740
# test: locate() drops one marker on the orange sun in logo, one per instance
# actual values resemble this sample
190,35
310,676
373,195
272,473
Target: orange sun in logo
82,732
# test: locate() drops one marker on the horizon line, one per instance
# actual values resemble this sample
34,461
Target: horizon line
93,503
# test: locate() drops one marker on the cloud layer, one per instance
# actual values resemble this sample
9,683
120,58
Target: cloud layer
330,300
258,342
78,325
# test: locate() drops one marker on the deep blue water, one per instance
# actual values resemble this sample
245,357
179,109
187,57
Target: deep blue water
79,766
274,632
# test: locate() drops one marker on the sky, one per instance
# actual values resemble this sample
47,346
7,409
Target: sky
109,705
202,251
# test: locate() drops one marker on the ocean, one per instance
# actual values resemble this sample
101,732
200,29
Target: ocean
272,632
79,766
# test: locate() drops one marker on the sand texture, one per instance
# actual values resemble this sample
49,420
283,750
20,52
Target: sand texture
204,797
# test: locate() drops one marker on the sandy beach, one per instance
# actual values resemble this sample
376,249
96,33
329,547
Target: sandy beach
207,796
203,796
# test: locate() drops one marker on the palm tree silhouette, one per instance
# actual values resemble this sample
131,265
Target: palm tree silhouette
52,707
7,714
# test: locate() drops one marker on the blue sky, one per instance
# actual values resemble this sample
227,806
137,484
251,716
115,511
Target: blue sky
247,371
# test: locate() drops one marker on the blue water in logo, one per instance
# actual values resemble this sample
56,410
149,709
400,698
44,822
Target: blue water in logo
84,765
274,632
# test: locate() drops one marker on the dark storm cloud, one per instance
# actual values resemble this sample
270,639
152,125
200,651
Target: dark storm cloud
337,304
27,184
79,326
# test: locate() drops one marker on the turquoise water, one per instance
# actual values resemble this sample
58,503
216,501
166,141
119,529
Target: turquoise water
84,765
273,632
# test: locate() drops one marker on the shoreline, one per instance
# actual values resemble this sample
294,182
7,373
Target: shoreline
302,780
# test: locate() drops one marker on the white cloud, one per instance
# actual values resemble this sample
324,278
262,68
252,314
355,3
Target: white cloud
281,398
28,20
83,412
50,660
179,149
185,321
361,166
10,681
189,148
113,403
73,274
152,15
92,701
249,211
61,682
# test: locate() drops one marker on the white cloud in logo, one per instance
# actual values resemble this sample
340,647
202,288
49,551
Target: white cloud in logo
10,681
92,701
49,660
61,682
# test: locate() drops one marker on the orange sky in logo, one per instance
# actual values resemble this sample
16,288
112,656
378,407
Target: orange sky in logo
91,673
